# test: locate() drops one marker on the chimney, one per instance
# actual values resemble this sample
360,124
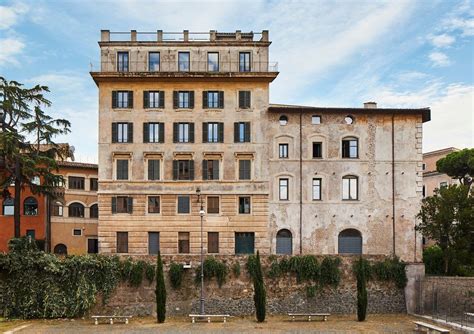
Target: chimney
370,105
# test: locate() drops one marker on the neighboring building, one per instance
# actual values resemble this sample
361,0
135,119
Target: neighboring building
432,179
178,116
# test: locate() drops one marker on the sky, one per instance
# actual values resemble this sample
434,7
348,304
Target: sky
329,53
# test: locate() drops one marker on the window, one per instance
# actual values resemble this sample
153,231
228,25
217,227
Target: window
153,99
94,184
213,61
94,211
36,180
213,132
210,169
77,232
349,242
244,99
443,185
122,204
213,242
122,169
183,170
58,209
244,242
284,242
153,169
75,182
350,148
212,99
184,206
283,151
424,191
153,132
315,119
245,170
60,249
76,210
183,61
153,61
8,207
424,166
317,150
212,204
283,120
183,132
283,189
122,99
92,246
316,189
349,187
244,205
244,61
153,243
30,206
122,61
122,242
242,132
183,99
349,119
31,234
183,242
153,204
122,132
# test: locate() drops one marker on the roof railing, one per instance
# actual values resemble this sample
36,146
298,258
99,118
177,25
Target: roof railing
184,36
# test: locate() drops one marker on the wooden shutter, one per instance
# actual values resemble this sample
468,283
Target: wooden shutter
205,132
213,242
162,99
114,99
114,132
130,204
175,132
241,169
215,169
220,132
161,130
204,99
241,99
151,170
248,102
191,99
114,204
191,169
130,99
204,170
175,169
236,132
191,132
175,99
345,149
146,99
146,131
130,132
221,99
247,132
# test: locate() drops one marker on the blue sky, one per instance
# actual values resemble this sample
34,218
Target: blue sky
330,53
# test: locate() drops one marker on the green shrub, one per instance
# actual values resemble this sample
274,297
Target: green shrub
136,273
176,275
126,269
433,259
251,266
330,274
305,267
212,268
275,270
311,291
236,269
389,270
259,290
160,291
150,272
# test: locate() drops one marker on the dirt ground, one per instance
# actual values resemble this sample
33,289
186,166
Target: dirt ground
274,324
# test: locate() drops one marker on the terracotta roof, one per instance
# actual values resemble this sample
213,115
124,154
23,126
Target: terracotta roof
75,164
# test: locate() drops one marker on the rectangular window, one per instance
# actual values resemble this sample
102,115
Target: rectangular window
283,151
244,99
245,172
122,99
153,243
92,246
31,234
242,132
122,169
210,169
315,119
153,169
153,204
213,242
350,148
122,242
283,189
153,61
316,189
212,100
317,150
153,132
244,61
443,185
94,184
213,61
244,242
212,204
122,61
183,242
183,100
75,182
183,170
424,191
122,204
424,166
350,188
183,61
77,232
184,205
183,132
122,132
244,205
153,99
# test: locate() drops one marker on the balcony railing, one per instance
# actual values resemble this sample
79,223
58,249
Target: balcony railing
174,66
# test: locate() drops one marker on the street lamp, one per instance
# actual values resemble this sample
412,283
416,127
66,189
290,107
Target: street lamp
201,214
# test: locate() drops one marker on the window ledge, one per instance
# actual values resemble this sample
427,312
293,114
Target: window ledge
154,109
122,109
245,109
213,109
183,110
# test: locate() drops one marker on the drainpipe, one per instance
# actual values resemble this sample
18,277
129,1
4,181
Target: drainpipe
393,184
47,246
301,181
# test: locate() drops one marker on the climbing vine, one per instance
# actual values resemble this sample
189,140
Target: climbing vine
388,270
212,268
176,273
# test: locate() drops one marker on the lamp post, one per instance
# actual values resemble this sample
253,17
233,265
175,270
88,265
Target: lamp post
201,214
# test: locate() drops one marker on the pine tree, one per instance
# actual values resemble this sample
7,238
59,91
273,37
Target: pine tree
160,291
361,289
259,291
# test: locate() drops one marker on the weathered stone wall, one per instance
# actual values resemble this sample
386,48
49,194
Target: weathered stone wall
235,297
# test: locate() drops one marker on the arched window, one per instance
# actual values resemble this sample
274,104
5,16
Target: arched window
283,120
350,187
350,242
58,209
76,210
284,244
30,206
8,207
350,147
60,249
94,211
349,119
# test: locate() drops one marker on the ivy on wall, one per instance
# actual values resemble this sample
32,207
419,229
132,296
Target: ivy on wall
213,268
388,270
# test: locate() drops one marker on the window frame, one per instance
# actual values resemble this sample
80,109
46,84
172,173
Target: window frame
240,171
286,187
319,187
184,236
346,145
246,64
283,120
216,244
148,205
349,188
72,180
8,205
283,154
149,62
92,210
33,203
315,144
76,210
243,212
316,117
118,176
74,232
121,66
184,68
215,210
216,68
188,204
123,234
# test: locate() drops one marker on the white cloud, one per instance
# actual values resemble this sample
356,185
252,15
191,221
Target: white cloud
439,59
442,41
9,16
10,48
461,18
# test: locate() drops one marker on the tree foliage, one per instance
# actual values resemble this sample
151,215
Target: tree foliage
459,165
362,269
260,297
160,291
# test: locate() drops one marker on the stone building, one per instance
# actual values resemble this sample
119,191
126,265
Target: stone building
185,121
432,179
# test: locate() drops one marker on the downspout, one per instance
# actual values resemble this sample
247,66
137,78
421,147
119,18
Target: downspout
48,225
301,181
393,185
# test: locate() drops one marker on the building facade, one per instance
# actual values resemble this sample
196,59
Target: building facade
186,123
432,179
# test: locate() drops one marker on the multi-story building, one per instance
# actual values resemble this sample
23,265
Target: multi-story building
186,122
432,179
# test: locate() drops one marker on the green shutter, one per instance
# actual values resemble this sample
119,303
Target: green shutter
204,170
220,132
114,99
241,99
191,169
221,99
191,99
191,132
175,132
146,130
146,100
215,169
130,99
175,169
130,204
114,132
175,99
236,132
130,132
114,204
204,100
162,99
205,132
161,130
247,132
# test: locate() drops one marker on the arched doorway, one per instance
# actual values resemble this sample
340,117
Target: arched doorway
350,242
60,249
284,242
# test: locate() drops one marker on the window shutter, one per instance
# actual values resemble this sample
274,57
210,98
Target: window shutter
161,130
162,99
249,94
221,99
220,130
130,99
114,132
241,99
150,170
191,99
204,99
205,132
191,169
241,169
215,169
114,99
114,204
175,169
146,103
236,132
130,204
175,132
345,149
175,99
130,132
191,132
146,136
204,170
247,132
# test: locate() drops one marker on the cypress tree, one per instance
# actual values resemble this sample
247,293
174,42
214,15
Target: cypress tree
361,289
160,291
259,291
